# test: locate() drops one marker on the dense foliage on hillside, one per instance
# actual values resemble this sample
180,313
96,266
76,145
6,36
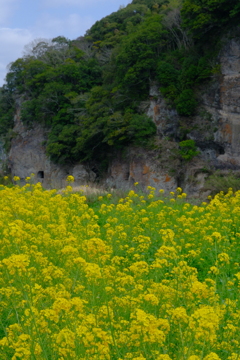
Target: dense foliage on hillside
87,92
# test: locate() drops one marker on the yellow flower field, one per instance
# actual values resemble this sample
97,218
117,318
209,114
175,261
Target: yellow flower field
140,278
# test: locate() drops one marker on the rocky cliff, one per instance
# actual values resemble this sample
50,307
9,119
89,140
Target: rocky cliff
215,129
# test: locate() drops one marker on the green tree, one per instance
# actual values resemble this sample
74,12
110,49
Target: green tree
186,103
202,16
137,56
98,128
6,110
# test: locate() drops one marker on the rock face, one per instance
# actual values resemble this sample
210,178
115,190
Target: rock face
228,134
3,158
165,117
145,167
28,155
215,129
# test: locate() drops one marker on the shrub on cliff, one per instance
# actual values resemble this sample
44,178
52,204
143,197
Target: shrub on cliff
188,149
186,103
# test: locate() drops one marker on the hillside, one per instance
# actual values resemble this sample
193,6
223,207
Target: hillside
89,93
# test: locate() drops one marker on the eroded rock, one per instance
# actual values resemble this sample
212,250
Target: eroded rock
28,155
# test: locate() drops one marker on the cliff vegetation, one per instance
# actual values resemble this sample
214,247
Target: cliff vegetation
87,92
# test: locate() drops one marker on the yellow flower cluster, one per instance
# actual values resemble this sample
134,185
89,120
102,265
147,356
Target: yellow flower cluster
141,279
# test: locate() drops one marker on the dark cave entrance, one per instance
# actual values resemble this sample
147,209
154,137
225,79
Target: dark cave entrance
40,174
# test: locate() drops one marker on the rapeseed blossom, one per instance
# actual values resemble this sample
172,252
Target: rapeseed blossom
141,279
70,179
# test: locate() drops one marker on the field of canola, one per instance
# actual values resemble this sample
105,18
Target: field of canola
140,279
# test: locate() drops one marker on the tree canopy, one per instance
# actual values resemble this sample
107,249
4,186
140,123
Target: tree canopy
203,16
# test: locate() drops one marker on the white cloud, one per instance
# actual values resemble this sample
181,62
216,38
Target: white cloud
47,19
84,3
70,26
7,7
12,42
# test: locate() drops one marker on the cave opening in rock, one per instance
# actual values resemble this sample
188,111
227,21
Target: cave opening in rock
40,174
127,174
221,150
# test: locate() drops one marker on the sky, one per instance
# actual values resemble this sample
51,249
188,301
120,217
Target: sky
22,21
